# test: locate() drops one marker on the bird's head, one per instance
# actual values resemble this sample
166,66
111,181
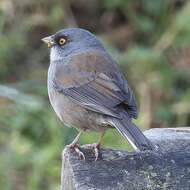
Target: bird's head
71,41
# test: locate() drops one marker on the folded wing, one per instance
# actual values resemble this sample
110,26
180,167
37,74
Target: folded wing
96,83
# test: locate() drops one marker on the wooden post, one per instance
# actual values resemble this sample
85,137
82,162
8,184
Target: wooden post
166,169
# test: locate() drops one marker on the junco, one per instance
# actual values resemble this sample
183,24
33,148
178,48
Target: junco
87,89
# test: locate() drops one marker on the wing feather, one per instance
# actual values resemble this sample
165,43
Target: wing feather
94,89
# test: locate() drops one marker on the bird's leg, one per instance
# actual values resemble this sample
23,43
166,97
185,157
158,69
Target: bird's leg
100,139
95,146
74,145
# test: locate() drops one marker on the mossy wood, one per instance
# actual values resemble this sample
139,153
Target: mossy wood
165,169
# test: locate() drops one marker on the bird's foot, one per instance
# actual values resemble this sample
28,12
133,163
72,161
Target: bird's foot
77,150
95,147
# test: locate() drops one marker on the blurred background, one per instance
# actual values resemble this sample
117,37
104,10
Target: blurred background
150,40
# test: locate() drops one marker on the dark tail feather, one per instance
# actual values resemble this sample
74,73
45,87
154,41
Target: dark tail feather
132,134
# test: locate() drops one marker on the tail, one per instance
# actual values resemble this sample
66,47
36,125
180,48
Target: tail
132,134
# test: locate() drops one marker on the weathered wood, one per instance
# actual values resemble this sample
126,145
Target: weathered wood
167,169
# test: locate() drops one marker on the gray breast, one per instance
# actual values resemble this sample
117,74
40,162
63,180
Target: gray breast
70,113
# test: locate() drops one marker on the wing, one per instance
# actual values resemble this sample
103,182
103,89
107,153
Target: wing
95,82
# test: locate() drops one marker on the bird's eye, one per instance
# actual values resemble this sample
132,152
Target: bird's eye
62,41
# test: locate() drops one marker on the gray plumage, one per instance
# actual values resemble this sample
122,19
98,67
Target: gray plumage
87,89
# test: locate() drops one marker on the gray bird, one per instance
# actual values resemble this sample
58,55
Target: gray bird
87,89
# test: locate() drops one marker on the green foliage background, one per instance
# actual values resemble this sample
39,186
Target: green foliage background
149,39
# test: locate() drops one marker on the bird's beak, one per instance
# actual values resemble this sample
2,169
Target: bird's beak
48,40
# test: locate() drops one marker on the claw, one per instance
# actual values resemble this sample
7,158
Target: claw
77,150
96,153
94,146
80,153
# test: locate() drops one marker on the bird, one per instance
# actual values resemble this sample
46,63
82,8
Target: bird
88,91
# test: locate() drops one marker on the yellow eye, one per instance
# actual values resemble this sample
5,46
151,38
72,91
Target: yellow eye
62,41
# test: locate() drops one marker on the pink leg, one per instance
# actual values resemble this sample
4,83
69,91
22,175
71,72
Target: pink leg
95,146
74,145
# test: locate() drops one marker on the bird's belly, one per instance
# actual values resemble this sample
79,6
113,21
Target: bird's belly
75,115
